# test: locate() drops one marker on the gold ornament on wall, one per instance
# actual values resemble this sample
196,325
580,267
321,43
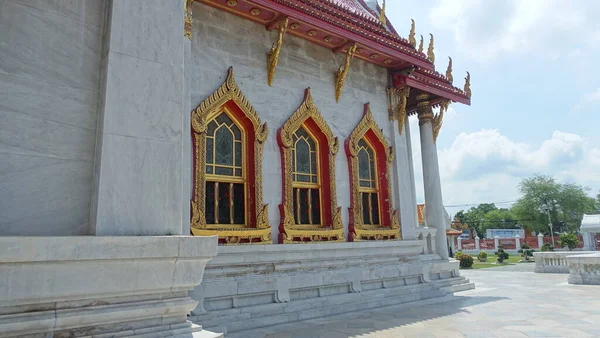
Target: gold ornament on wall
360,230
201,116
188,19
290,231
397,100
449,76
430,53
421,45
342,72
411,35
467,87
273,55
438,119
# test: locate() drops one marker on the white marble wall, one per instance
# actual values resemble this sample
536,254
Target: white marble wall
221,40
49,78
138,170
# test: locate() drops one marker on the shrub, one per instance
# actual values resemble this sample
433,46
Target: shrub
501,254
526,251
547,247
569,240
457,255
482,254
466,261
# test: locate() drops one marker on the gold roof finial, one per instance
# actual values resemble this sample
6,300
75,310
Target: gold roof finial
411,35
449,70
430,54
467,87
382,14
421,45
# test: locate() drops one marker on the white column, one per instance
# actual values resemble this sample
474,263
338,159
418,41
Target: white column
138,165
477,247
588,241
518,241
496,242
434,211
405,200
459,241
540,241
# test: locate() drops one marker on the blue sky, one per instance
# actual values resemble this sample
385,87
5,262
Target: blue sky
536,93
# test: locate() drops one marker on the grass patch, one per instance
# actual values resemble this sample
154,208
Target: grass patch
492,262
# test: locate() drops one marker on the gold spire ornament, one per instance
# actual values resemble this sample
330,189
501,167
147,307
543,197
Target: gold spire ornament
430,54
438,119
187,19
449,76
397,99
382,14
273,55
342,72
467,87
421,45
411,35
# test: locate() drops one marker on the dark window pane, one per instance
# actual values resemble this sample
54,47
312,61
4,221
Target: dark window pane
375,206
372,168
313,162
236,132
316,206
238,172
224,171
365,184
238,154
363,144
209,150
314,179
302,178
209,208
209,169
212,126
238,204
311,143
302,157
224,119
224,146
363,165
301,132
365,207
296,220
224,203
304,206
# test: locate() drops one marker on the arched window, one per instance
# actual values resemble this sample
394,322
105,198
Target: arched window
369,160
228,139
309,211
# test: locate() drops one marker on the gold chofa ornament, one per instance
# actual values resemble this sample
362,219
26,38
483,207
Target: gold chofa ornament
411,35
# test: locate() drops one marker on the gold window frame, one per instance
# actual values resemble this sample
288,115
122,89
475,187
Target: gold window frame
330,230
201,116
358,230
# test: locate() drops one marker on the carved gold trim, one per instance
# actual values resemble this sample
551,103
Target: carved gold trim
273,54
430,53
342,72
327,232
228,91
382,14
397,100
188,18
438,119
362,231
467,87
421,45
411,35
449,76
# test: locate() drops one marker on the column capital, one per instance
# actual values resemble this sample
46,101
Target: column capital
424,110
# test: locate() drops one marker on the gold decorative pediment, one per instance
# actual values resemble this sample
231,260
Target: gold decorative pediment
390,224
332,228
257,230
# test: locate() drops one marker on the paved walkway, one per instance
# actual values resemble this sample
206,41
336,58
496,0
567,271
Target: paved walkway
506,303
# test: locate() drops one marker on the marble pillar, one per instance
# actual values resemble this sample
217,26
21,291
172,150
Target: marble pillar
434,211
405,199
138,164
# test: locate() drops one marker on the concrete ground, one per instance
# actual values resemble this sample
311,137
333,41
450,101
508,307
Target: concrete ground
509,301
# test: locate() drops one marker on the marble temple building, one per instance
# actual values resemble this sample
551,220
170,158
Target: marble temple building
180,167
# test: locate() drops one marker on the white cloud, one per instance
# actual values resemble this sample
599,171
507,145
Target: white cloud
486,166
544,28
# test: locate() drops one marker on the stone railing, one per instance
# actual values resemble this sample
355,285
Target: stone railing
554,262
584,269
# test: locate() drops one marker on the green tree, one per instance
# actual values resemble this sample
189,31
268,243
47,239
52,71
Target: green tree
500,219
569,240
567,203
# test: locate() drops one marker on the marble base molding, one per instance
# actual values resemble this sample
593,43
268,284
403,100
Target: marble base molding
253,286
584,269
83,286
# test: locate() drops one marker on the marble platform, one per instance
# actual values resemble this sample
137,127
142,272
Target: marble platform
584,268
554,261
248,287
101,286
